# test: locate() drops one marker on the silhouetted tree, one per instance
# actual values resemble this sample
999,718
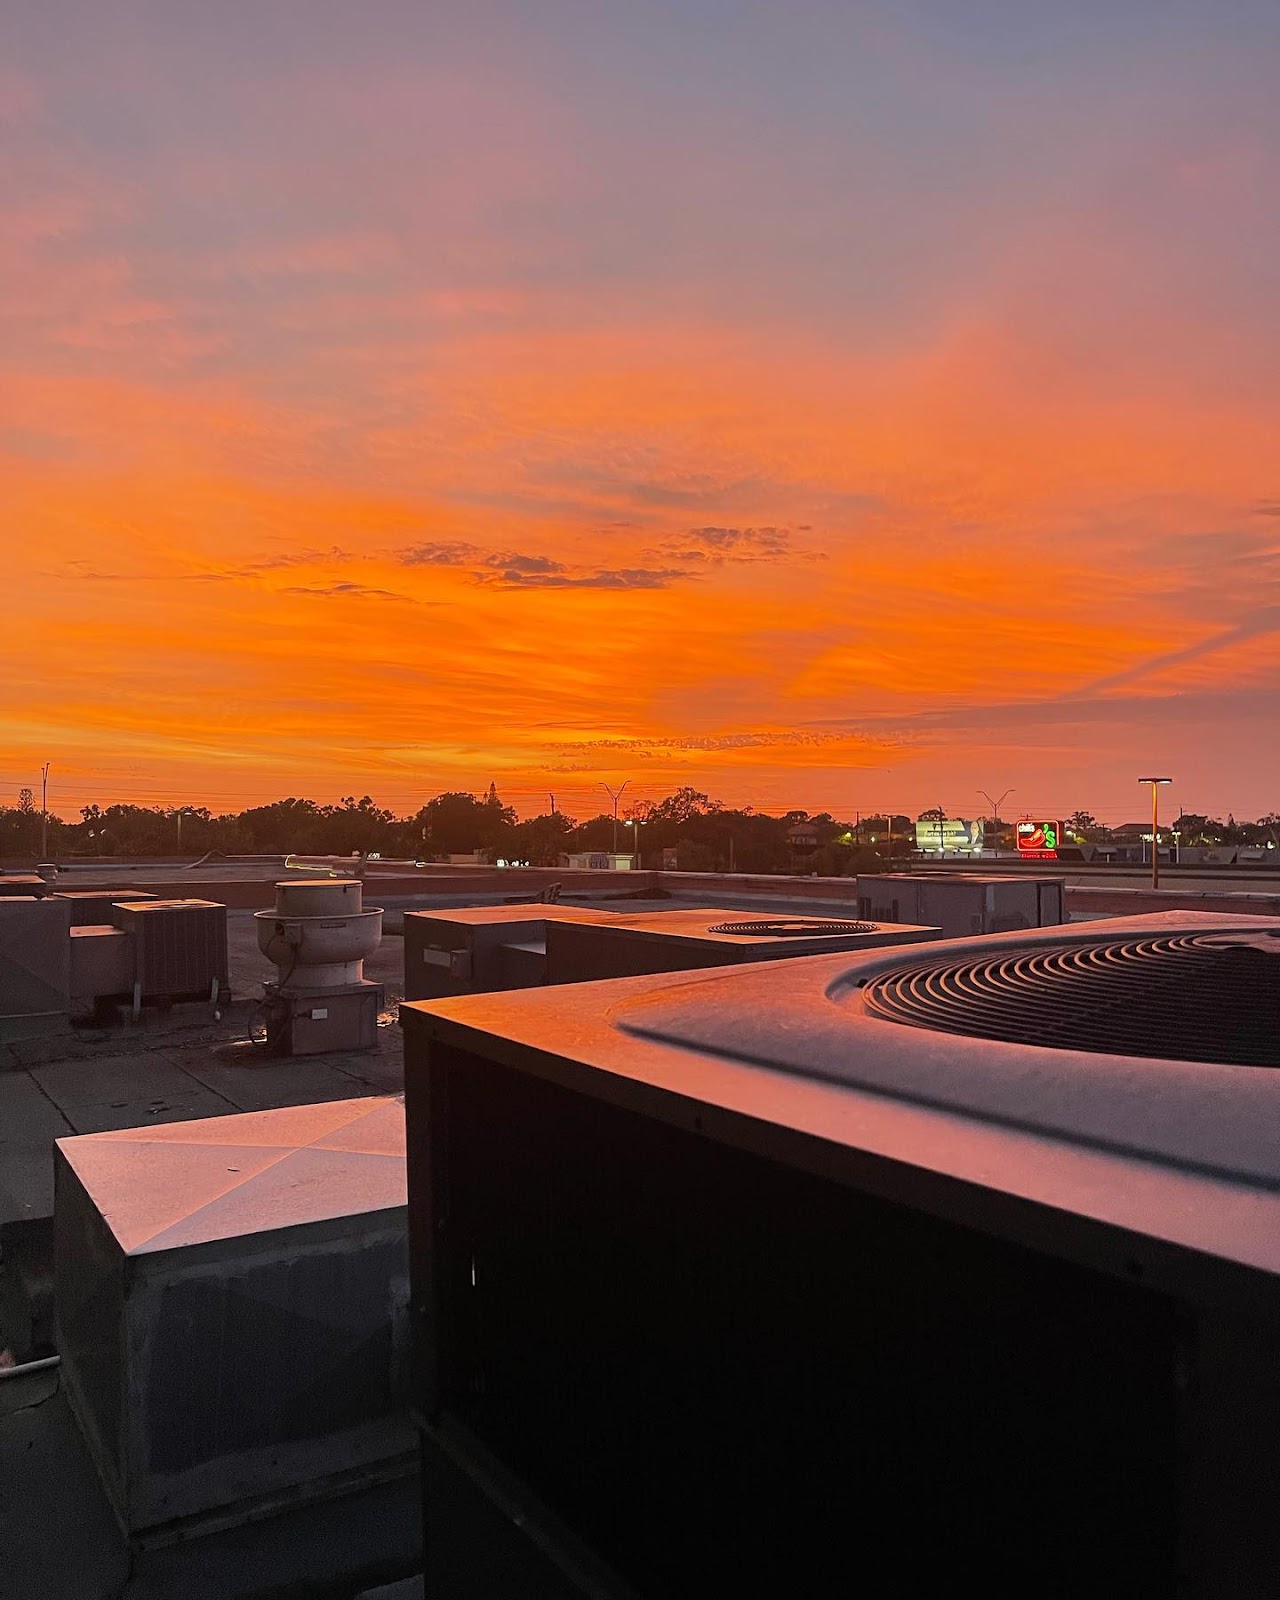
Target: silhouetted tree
456,823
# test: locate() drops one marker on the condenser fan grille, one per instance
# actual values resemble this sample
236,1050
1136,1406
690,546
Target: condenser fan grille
1187,997
791,930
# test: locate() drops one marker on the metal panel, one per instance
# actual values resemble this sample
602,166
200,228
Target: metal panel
102,962
323,1020
35,966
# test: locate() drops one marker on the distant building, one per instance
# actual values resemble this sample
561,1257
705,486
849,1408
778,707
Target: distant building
598,861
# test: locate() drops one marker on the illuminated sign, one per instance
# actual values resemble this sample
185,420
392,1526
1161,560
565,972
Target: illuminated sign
952,833
1039,840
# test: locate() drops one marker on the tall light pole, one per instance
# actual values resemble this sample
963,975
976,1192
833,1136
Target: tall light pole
1155,827
44,812
180,813
635,822
615,795
995,813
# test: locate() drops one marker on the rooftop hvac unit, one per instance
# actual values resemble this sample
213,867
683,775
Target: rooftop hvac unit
476,949
180,947
229,1306
92,907
962,903
923,1266
675,941
22,886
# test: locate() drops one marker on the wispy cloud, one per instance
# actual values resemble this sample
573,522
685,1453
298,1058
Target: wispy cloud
333,556
440,553
508,569
346,590
767,740
1261,623
618,578
721,546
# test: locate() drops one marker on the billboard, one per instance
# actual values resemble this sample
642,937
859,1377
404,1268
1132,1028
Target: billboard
953,834
1039,840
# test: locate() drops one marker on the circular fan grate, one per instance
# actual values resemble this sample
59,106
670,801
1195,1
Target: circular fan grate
1187,997
791,930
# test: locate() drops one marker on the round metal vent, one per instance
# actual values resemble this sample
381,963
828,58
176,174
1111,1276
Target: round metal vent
792,930
1185,997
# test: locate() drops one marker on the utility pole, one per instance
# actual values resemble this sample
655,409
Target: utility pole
44,812
995,813
615,795
1155,827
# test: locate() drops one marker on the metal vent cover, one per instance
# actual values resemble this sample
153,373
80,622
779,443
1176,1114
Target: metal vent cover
1189,997
792,929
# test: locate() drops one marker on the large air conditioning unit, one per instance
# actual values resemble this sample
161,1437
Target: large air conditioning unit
675,941
963,903
940,1268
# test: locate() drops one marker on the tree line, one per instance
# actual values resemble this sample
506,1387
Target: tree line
705,835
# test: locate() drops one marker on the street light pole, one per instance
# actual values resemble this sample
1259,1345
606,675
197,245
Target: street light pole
44,812
995,813
1155,827
615,796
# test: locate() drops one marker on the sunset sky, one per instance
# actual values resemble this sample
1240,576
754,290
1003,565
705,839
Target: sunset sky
832,405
